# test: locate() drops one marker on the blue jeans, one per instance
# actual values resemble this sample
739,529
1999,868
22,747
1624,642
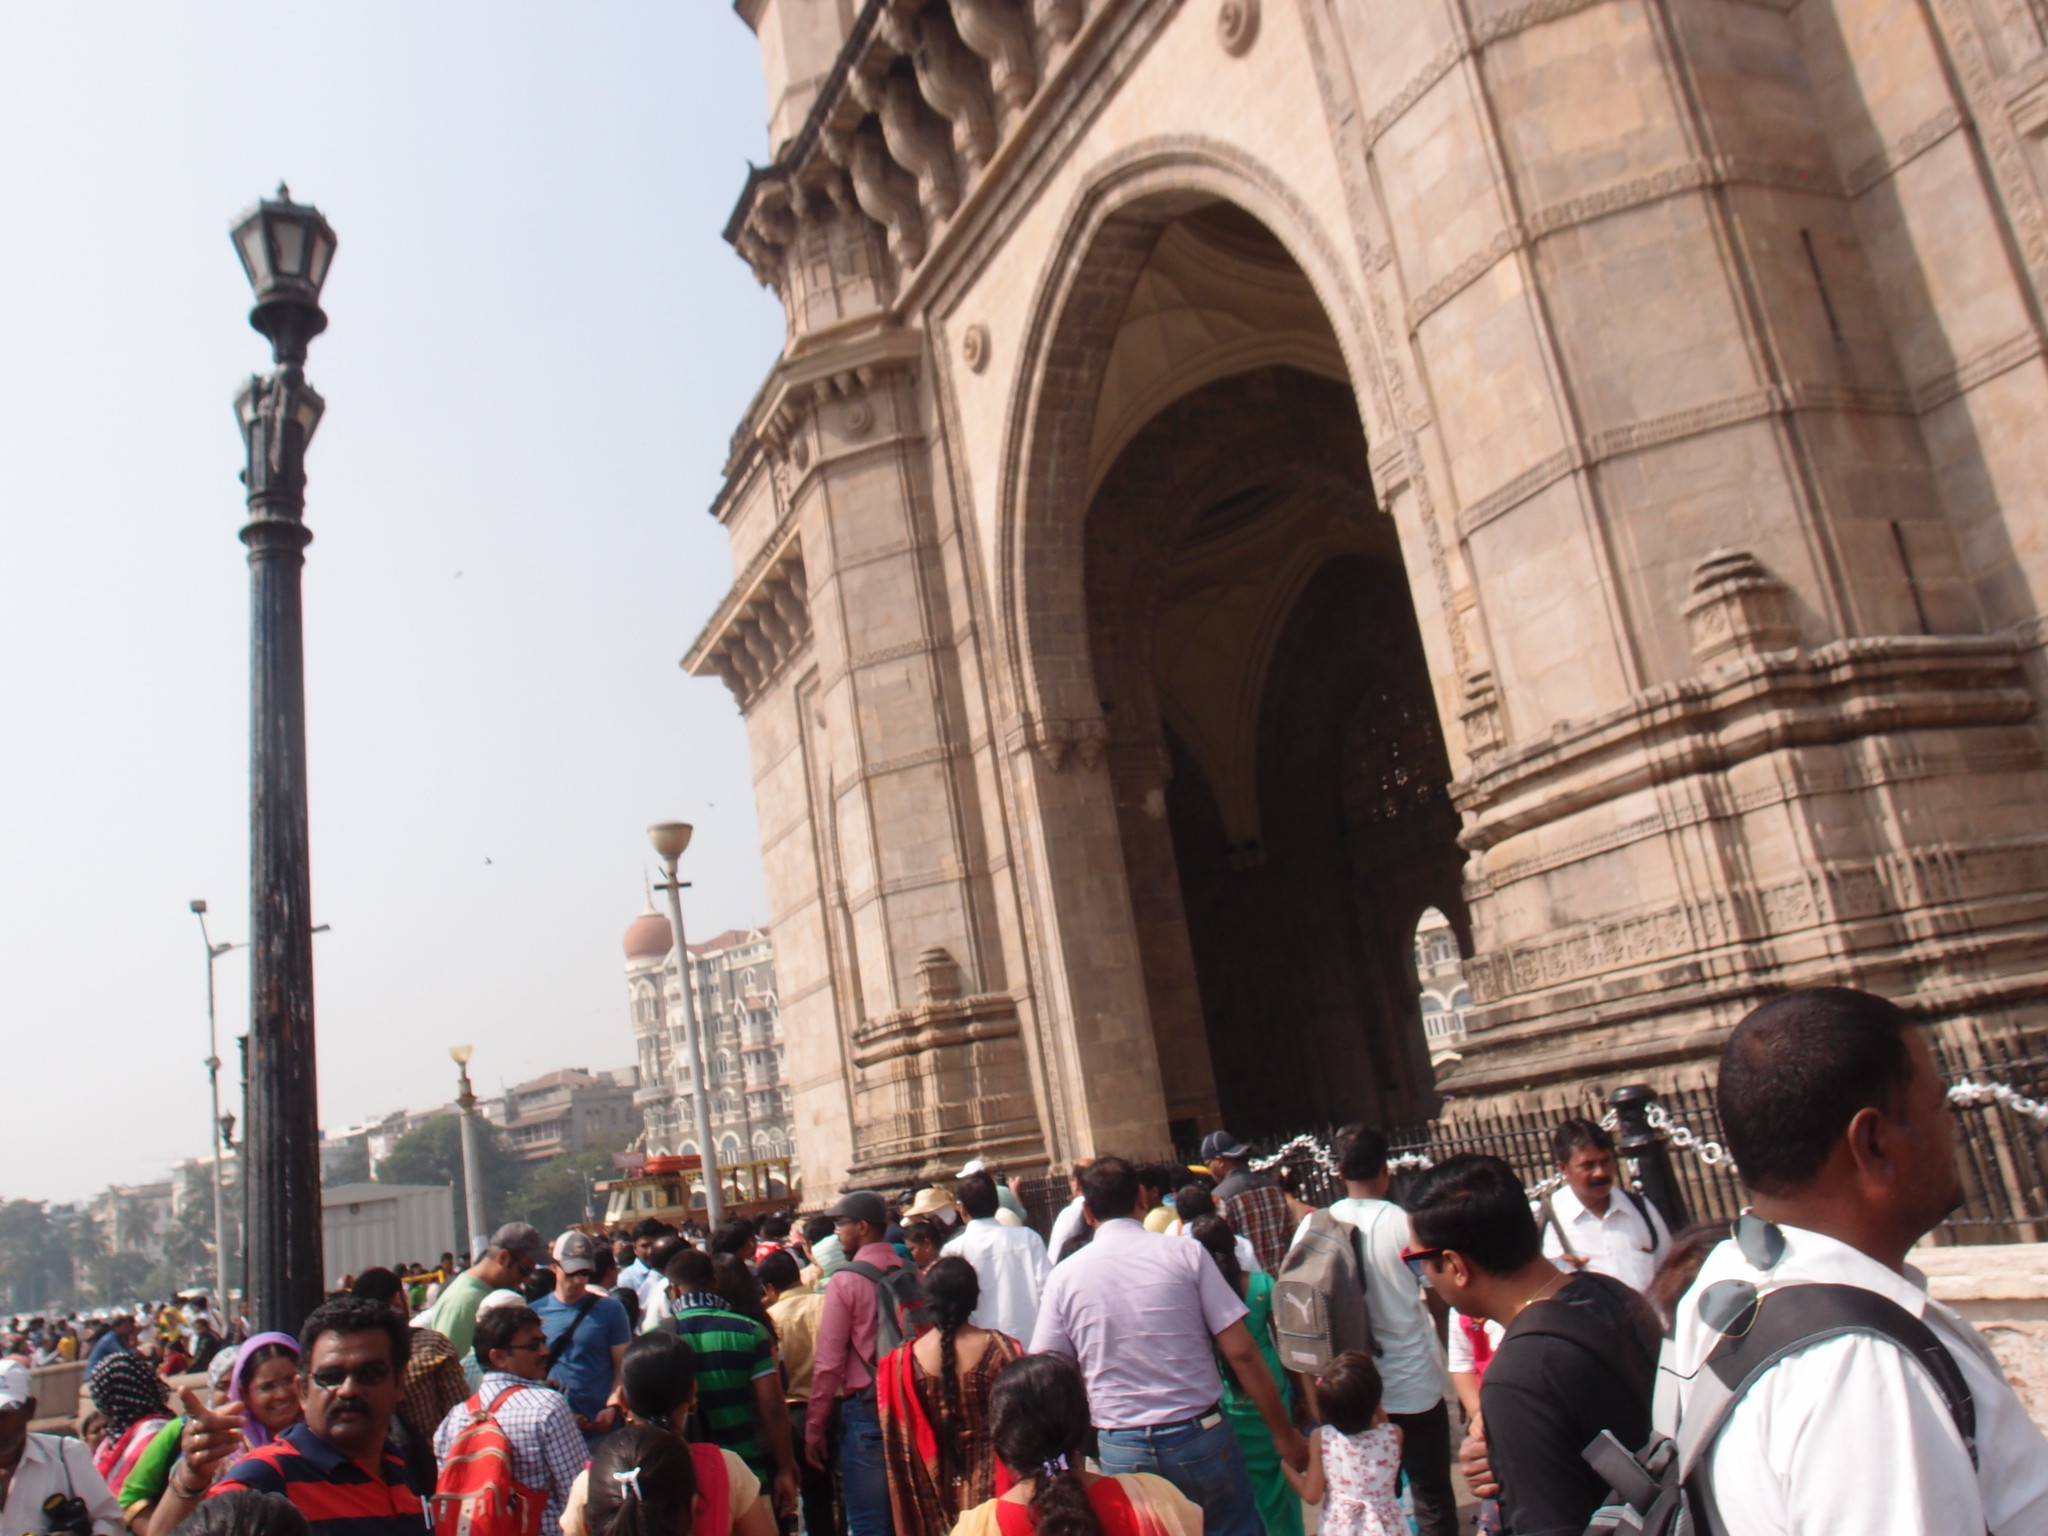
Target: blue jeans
1201,1459
863,1476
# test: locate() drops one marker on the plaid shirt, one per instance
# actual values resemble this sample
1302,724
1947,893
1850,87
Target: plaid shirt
1261,1218
432,1384
548,1450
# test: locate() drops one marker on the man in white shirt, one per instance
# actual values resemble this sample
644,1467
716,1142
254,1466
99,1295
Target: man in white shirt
1068,1222
1836,1114
1404,1336
1010,1262
35,1467
1586,1224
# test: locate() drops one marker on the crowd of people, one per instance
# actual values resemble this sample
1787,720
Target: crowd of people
1190,1350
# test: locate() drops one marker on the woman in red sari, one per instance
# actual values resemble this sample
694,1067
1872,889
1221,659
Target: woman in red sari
932,1396
1038,1418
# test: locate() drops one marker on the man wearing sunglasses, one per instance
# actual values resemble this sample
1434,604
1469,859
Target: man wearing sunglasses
509,1260
335,1466
1579,1354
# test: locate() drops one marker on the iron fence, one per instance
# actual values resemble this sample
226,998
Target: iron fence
2001,1155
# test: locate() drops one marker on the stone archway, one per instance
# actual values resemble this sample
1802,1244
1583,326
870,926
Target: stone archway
1274,754
1161,244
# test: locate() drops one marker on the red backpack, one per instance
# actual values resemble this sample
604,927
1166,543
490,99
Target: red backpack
476,1494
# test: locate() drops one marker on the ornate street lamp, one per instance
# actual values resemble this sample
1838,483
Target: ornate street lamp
286,249
670,839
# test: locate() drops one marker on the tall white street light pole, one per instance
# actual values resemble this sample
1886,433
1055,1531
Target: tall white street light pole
473,1194
220,1247
670,838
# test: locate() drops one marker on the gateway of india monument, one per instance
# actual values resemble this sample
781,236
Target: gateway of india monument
1243,473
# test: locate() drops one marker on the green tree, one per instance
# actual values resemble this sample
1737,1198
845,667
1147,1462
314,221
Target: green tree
432,1154
351,1165
553,1194
188,1241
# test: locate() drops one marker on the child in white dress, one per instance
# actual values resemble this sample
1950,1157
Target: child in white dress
1354,1460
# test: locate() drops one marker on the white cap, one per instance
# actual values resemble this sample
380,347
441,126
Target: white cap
16,1387
500,1298
975,1166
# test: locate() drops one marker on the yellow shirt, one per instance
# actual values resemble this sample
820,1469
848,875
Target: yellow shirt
797,1314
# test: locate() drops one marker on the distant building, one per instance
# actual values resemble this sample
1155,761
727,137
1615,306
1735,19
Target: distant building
133,1218
1440,973
567,1111
733,984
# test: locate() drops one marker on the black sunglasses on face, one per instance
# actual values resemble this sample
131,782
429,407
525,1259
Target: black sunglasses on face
1416,1258
371,1373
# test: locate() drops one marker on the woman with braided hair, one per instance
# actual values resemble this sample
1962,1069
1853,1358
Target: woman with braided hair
932,1398
1038,1422
1279,1507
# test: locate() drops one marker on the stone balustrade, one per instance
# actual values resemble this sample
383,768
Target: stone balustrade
923,98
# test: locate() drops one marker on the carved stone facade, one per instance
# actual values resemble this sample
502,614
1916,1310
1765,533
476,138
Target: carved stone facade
1244,472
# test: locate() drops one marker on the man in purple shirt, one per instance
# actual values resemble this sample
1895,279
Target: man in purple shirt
843,1365
1145,1316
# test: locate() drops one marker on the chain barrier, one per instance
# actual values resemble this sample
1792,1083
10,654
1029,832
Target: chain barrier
1969,1094
1712,1153
1400,1162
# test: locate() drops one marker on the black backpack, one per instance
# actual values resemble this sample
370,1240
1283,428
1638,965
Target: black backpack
1663,1490
899,1304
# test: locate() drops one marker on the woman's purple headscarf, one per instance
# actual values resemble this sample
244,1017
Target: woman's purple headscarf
245,1369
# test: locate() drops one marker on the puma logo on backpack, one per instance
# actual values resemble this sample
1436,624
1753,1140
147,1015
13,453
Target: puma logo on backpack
1319,1297
476,1494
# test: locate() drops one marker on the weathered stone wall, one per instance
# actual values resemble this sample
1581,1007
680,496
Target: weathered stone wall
1697,349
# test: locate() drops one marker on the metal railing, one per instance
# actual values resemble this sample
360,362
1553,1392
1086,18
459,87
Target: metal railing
2001,1154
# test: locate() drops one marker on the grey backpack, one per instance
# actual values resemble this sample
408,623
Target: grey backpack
1663,1490
1319,1297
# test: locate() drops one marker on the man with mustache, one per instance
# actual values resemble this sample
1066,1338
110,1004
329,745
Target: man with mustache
1585,1225
335,1466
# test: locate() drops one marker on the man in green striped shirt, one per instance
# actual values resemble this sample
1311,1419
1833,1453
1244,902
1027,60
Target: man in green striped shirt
739,1384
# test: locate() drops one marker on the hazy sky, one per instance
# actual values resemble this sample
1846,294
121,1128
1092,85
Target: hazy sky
538,350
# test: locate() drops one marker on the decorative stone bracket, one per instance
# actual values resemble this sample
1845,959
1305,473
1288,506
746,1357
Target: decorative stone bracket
917,105
1737,609
1086,740
758,627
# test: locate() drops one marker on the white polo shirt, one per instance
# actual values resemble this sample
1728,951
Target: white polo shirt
1411,1360
52,1465
1618,1244
1011,1265
1850,1434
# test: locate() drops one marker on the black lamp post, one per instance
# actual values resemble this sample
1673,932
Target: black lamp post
286,249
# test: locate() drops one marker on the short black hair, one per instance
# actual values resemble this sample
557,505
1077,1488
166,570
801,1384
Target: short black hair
774,1226
817,1229
647,1226
496,1327
780,1270
977,1195
1348,1392
1191,1202
1575,1133
735,1236
354,1314
690,1268
1798,1069
1361,1154
1110,1188
1474,1205
377,1285
665,1248
245,1512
